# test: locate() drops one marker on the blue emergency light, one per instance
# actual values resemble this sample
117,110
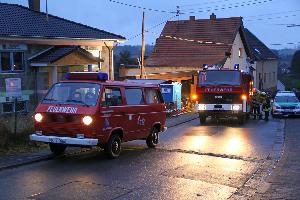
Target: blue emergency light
236,66
205,66
100,76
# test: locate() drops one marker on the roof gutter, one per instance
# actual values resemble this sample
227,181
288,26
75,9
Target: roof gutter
58,41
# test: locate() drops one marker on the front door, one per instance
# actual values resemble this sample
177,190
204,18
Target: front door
113,110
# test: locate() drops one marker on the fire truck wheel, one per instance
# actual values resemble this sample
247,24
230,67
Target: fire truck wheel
57,149
152,139
113,146
202,119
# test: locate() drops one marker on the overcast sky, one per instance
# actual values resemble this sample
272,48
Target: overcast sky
126,20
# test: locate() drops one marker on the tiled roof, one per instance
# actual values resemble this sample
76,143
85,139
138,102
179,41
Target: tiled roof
180,52
56,52
257,48
20,21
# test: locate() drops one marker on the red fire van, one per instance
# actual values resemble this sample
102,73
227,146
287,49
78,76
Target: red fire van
88,110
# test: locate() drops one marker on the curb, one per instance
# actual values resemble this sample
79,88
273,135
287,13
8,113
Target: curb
184,121
26,162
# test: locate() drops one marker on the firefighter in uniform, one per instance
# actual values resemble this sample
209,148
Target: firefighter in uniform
267,106
255,104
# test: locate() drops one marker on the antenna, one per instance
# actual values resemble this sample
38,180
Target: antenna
47,18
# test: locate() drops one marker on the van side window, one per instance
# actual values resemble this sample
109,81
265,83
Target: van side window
111,97
153,96
134,96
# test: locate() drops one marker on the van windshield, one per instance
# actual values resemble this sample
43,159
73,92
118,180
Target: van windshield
73,93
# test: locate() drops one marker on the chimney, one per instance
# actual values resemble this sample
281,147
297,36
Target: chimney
213,16
192,18
34,5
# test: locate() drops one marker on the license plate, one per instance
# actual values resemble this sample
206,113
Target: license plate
288,110
57,140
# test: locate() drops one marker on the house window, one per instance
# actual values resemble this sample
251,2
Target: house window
240,52
265,77
11,61
274,77
10,107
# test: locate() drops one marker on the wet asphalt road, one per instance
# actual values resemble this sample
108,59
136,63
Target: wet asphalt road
191,162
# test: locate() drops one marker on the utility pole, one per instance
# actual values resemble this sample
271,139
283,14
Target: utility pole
143,49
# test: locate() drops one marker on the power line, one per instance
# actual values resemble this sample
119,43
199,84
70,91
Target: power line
249,3
271,18
224,5
152,27
204,3
256,2
290,11
140,7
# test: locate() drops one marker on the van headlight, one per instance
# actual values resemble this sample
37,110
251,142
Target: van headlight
38,117
235,107
201,107
87,120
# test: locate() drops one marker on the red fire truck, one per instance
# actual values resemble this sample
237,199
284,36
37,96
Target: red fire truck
87,110
224,93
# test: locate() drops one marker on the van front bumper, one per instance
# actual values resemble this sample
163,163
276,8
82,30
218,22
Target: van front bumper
64,140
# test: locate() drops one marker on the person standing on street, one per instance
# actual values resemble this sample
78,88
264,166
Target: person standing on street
267,106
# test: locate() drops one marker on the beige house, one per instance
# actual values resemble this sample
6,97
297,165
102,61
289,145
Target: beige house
185,46
265,63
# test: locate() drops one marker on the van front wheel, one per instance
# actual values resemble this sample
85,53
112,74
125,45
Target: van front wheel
152,139
57,149
113,147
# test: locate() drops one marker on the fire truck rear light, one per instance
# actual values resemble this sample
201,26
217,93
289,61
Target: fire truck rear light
201,107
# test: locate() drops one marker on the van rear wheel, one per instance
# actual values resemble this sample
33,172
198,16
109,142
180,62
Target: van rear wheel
152,139
113,147
57,149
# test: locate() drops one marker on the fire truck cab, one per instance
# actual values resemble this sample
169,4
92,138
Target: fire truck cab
87,110
224,93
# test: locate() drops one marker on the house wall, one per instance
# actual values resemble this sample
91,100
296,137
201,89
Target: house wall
234,57
267,71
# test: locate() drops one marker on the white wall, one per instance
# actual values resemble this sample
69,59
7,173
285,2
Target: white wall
235,58
268,71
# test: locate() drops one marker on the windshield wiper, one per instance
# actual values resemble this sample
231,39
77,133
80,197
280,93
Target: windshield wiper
77,101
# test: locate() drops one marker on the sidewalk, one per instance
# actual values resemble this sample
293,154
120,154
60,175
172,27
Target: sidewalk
285,179
16,160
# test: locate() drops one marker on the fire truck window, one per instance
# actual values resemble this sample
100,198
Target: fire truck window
111,97
153,96
134,96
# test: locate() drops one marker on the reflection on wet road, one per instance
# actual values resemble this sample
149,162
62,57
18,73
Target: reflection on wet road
191,162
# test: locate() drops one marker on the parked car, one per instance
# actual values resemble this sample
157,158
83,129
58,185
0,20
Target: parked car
285,103
87,110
